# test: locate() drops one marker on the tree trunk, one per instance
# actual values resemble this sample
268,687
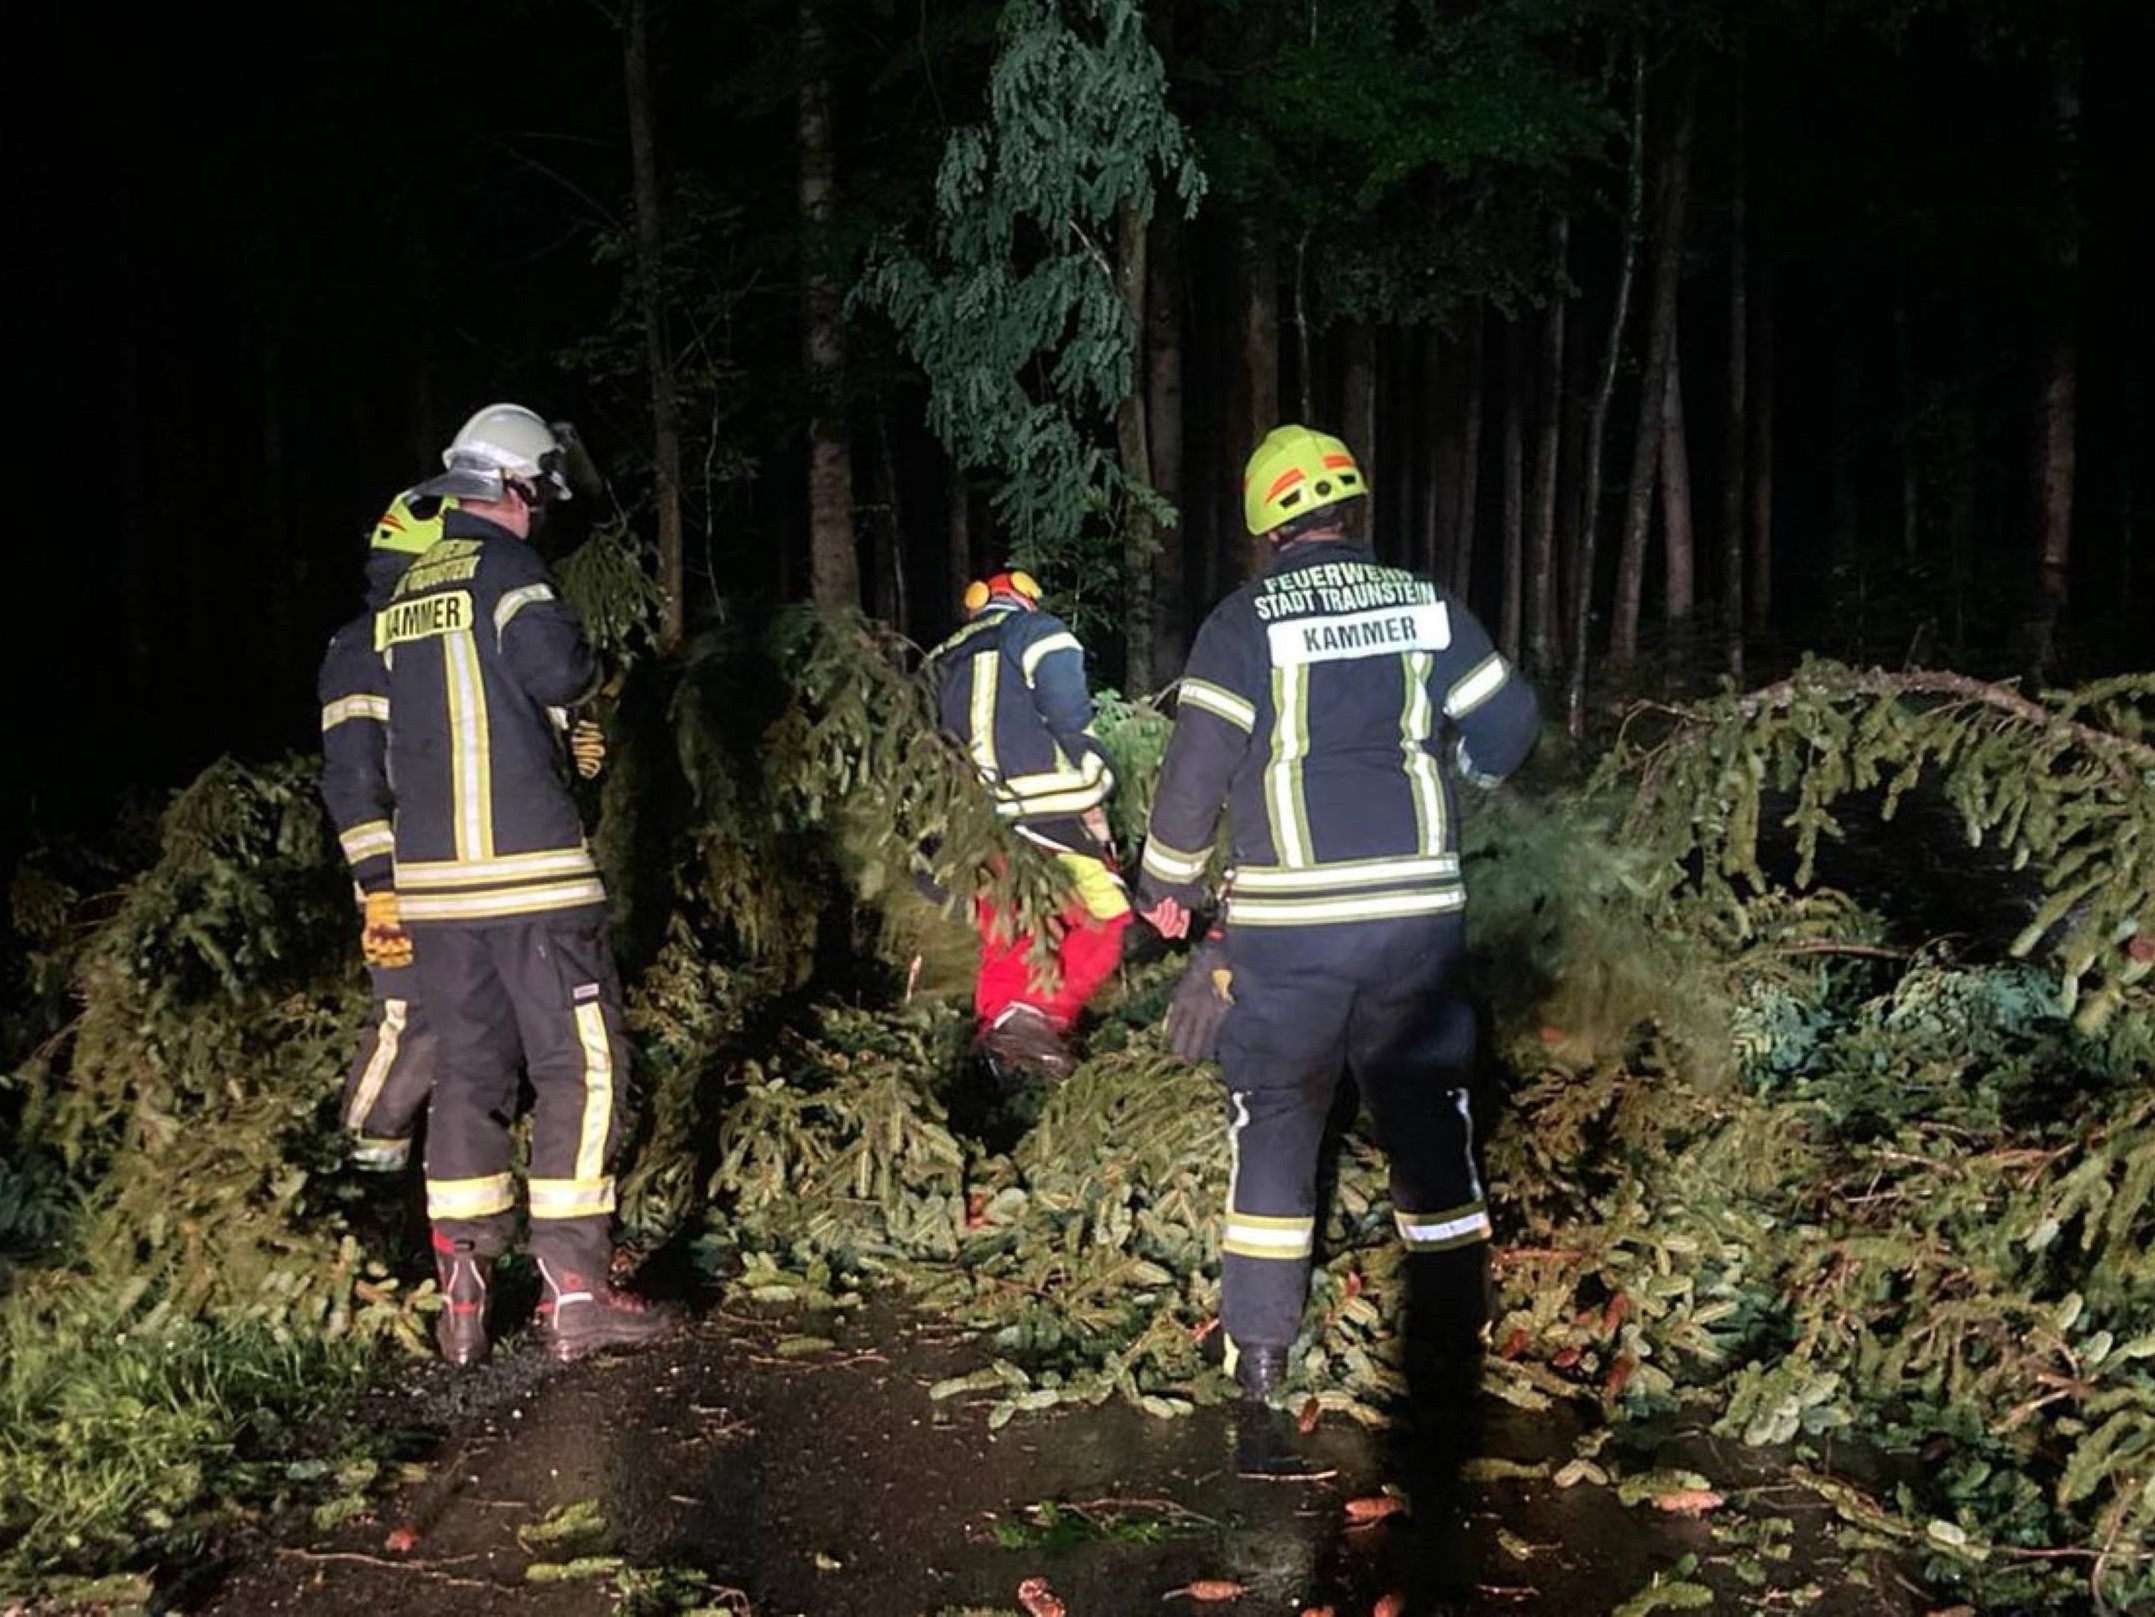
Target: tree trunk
1259,380
1133,445
1680,589
2059,405
1549,439
1735,405
658,352
1163,422
1675,185
1429,374
1305,389
1514,462
1908,436
1758,465
1358,409
891,604
1597,430
1470,458
833,568
960,565
1843,517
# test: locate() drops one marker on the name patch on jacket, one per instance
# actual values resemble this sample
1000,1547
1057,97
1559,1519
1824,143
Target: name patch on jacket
1382,633
430,615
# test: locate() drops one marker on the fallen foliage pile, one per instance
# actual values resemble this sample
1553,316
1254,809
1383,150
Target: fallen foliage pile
1755,1155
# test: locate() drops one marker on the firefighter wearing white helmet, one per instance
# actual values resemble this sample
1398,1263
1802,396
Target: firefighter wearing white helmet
506,448
1330,708
496,887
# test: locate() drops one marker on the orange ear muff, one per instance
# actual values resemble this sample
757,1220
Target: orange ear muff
983,590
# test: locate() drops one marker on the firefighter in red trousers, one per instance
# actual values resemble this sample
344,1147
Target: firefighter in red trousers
1011,687
495,889
1328,707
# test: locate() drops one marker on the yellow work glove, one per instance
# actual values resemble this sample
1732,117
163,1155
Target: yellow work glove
587,745
382,938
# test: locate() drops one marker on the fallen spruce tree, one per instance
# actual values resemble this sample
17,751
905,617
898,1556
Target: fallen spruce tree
1756,1155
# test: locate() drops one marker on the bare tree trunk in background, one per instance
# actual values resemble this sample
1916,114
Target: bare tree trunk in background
1758,464
833,568
1305,389
1259,333
1549,439
1597,430
1964,474
2059,407
1358,413
1908,436
958,557
1680,588
1163,423
1675,185
658,352
1133,445
1510,618
1843,517
1735,426
889,592
1470,456
1429,377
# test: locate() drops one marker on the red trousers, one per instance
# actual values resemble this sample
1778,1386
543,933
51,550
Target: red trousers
1086,952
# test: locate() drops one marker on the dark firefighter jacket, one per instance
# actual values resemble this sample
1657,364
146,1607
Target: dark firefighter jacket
478,648
354,688
1011,686
1319,708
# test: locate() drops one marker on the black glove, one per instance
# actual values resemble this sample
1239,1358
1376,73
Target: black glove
1202,1001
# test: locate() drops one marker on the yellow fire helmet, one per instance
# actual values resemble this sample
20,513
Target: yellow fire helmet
411,524
1295,471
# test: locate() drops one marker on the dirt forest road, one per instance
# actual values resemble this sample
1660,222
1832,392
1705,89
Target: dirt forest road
719,1474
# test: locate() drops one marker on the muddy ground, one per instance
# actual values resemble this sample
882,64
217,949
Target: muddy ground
718,1474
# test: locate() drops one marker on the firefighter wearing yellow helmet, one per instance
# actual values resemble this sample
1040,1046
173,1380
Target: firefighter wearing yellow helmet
1330,709
392,1074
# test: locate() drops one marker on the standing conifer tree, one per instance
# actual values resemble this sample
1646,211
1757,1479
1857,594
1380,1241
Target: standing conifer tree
1015,314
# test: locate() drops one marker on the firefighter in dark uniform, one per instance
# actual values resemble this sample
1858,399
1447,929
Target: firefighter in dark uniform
496,889
393,1072
1327,708
1011,688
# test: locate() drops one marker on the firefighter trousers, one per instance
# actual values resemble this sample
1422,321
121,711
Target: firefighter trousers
1088,932
1377,999
542,991
393,1072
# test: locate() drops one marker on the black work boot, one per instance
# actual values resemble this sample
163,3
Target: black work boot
1023,1042
582,1314
460,1329
1265,1446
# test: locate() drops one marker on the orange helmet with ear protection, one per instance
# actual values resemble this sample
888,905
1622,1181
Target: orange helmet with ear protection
1017,587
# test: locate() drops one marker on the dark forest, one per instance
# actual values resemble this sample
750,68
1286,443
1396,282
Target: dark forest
1881,263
